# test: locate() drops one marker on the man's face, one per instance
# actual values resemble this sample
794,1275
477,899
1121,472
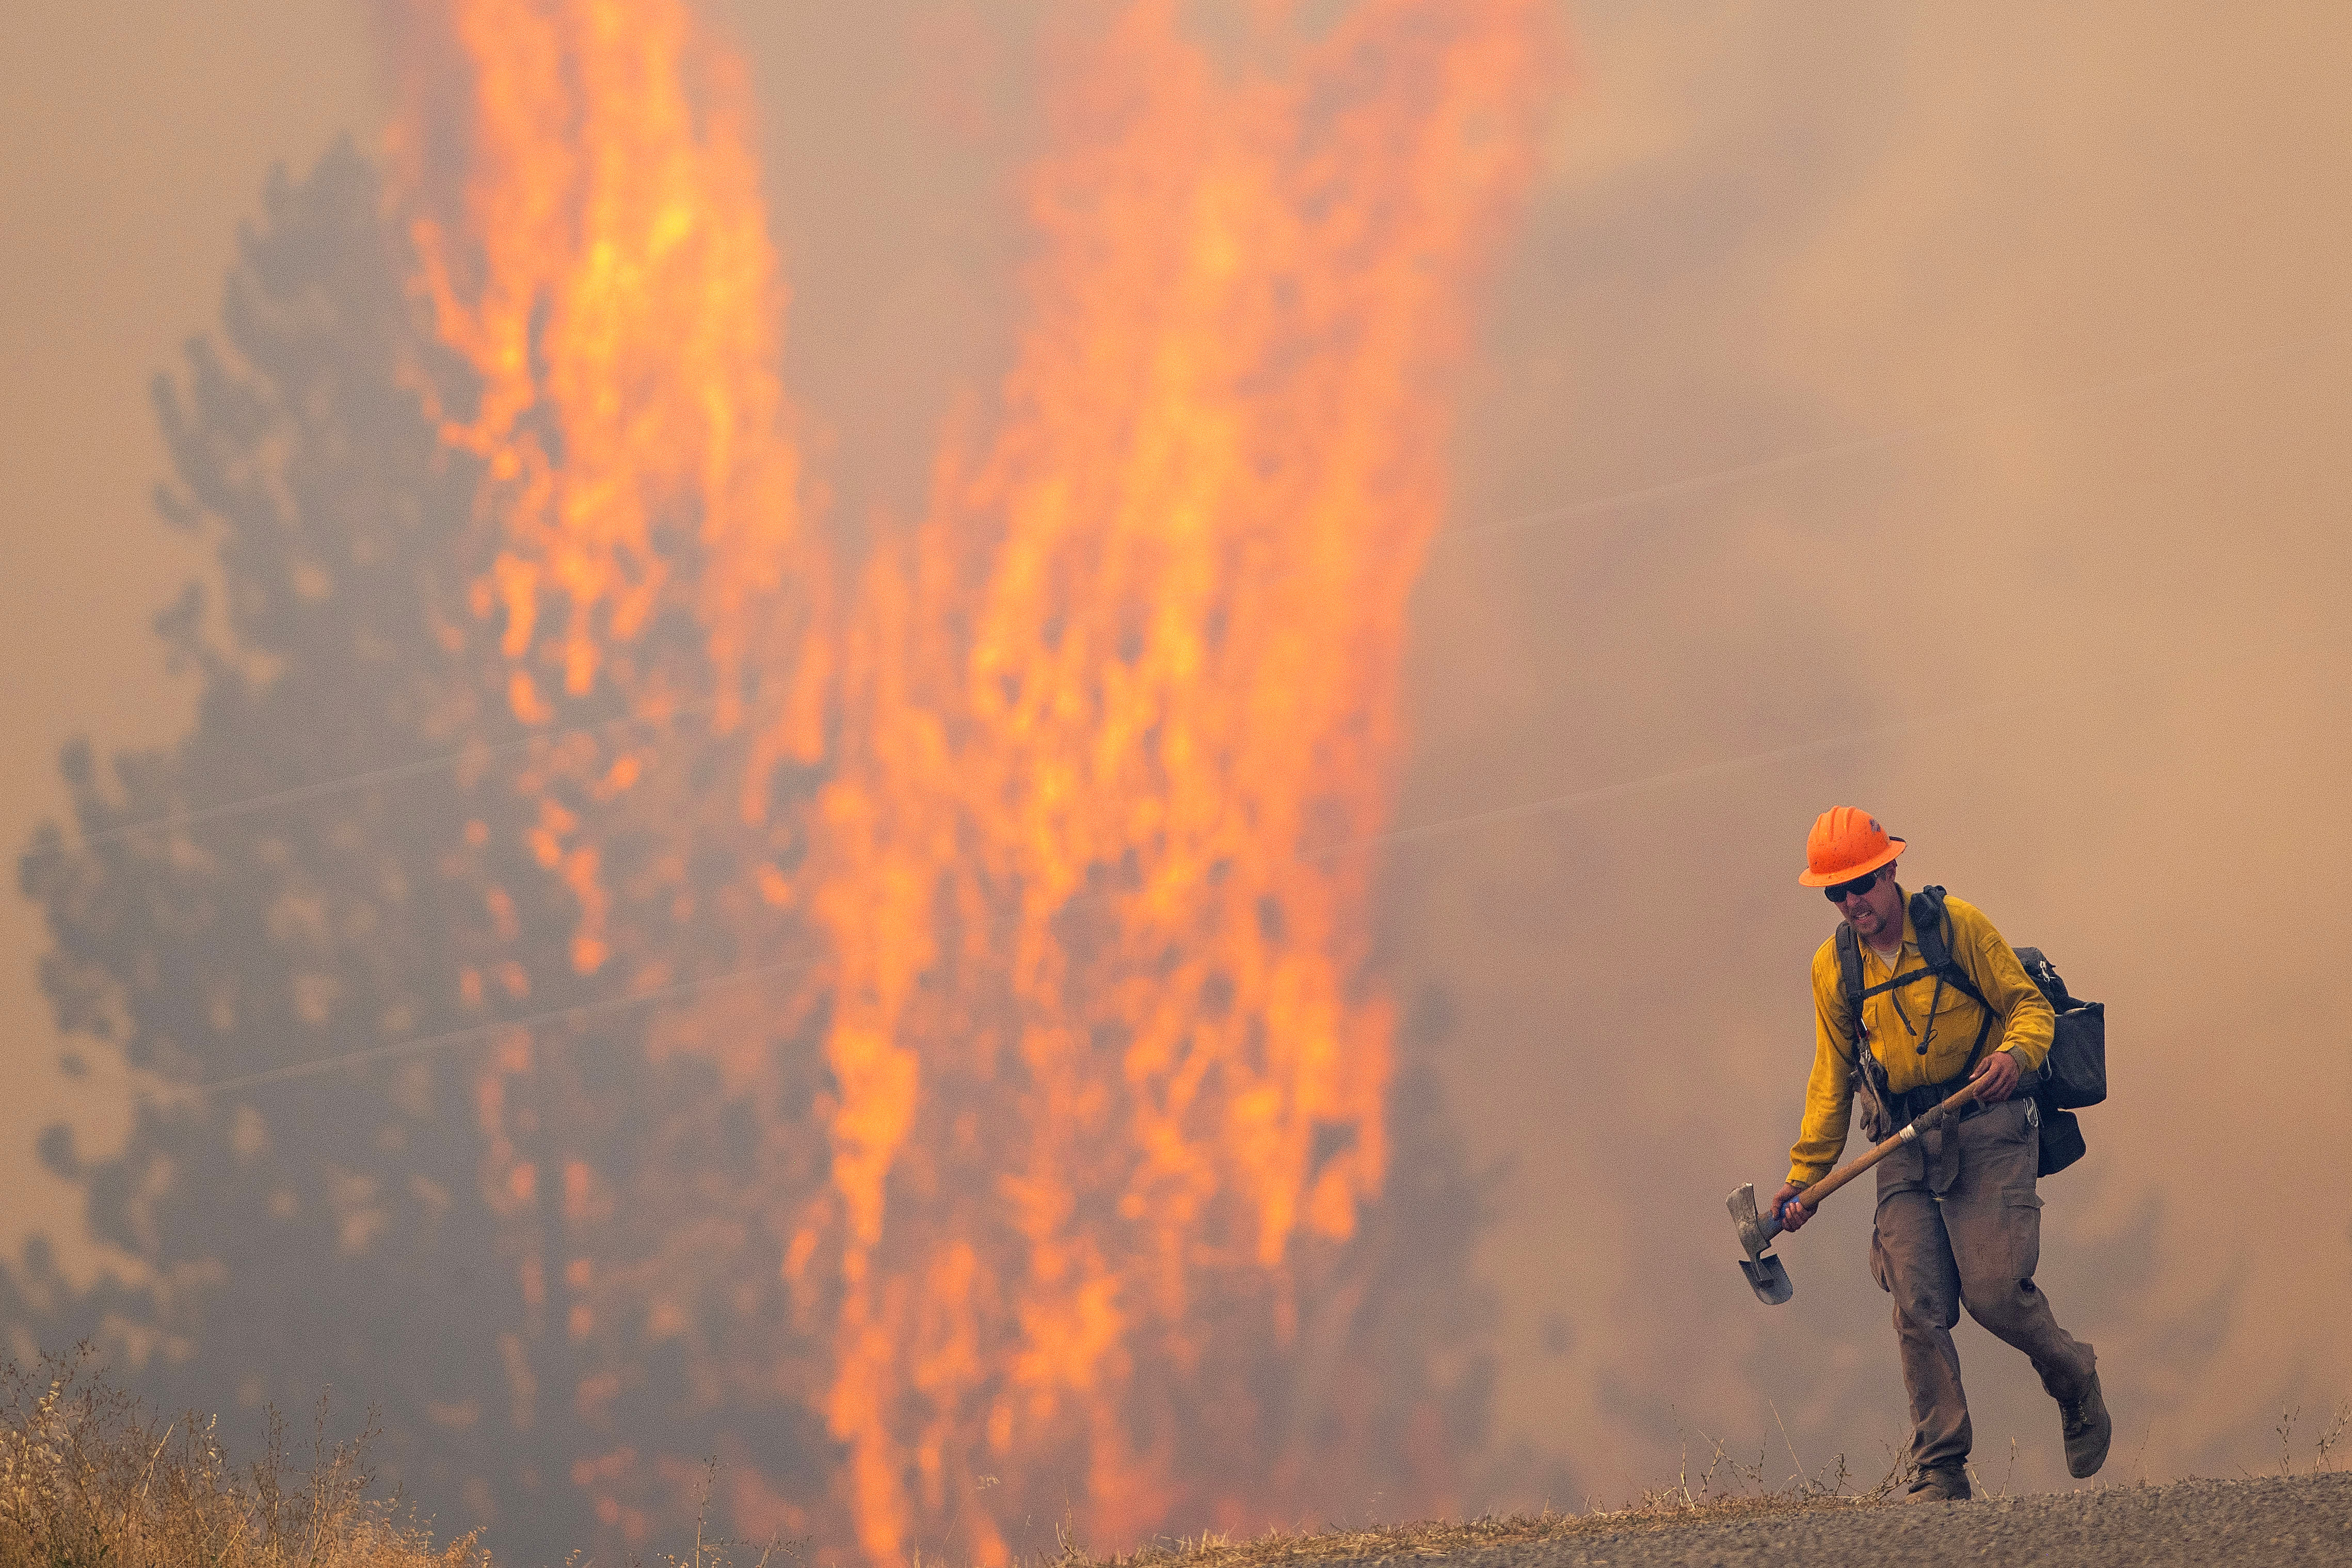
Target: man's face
1876,916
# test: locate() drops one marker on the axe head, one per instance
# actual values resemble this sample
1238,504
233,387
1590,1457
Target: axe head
1766,1274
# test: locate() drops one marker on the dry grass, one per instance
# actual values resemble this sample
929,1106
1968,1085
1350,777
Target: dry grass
87,1481
2330,1442
1726,1489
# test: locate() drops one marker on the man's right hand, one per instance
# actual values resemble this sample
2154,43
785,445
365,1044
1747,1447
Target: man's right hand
1790,1218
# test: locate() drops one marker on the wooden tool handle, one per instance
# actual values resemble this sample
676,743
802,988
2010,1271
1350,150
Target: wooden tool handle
1928,1121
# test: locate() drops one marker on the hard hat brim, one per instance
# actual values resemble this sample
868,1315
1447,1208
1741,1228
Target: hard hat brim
1813,878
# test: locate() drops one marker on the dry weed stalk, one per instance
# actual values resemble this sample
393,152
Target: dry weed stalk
86,1481
2329,1440
716,1551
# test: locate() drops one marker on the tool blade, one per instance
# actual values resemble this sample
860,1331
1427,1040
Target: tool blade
1767,1278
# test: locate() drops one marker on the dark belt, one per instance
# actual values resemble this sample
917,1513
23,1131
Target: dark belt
1912,1104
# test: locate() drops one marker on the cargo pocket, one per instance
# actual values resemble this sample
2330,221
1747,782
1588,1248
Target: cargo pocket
1878,1265
2020,1221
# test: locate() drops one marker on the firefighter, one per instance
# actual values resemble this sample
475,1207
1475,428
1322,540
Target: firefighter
1959,1223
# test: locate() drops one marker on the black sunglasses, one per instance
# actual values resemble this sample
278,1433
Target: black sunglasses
1845,890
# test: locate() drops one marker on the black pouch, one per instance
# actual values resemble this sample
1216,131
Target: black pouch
2061,1136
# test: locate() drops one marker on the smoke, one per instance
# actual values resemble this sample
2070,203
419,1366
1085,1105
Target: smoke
2095,261
2089,278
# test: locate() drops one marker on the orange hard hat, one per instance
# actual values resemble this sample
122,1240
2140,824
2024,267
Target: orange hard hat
1845,843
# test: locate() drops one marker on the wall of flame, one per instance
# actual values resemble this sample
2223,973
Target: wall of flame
1107,1069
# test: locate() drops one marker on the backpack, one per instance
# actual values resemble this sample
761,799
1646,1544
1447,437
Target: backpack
2073,1076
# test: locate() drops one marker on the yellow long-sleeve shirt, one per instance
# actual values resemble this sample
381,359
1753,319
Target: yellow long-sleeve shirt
1896,1023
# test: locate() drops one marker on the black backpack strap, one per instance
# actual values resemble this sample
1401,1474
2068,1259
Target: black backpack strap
1849,957
1933,926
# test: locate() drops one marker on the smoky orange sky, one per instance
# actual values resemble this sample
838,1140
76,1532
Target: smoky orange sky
1962,389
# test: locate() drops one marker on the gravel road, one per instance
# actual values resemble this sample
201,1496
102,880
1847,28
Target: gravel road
2306,1519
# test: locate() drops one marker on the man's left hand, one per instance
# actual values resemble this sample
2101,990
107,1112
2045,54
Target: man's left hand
1999,1074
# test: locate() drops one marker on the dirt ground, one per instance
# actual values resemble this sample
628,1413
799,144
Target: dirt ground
2304,1521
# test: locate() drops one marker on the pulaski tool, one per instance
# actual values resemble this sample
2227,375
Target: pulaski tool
1767,1275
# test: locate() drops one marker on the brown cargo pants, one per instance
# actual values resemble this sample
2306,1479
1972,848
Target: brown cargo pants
1960,1225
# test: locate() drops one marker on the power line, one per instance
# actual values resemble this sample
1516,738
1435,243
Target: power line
1568,799
317,1065
1420,832
1865,446
298,794
1663,491
1964,714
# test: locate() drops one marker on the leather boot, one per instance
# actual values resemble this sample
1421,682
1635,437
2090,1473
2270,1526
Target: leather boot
1941,1483
2087,1430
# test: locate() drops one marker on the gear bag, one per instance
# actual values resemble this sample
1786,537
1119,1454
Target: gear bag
2073,1076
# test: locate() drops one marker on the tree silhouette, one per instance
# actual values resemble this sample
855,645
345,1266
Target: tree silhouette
406,1229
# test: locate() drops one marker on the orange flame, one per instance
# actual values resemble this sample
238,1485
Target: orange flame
608,275
1107,1073
1110,1075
